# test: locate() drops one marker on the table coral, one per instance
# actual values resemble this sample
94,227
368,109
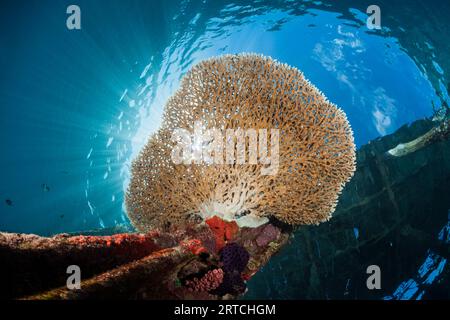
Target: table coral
249,92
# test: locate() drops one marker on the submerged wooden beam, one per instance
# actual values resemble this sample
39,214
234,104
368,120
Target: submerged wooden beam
31,263
438,133
138,266
146,278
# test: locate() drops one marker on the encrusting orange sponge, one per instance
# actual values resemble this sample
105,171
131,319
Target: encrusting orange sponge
316,155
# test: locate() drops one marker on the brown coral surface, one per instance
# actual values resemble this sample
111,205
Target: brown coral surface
246,91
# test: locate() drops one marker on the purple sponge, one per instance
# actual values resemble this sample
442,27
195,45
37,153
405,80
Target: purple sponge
232,284
234,257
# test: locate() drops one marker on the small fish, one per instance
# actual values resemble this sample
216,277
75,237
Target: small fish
9,202
45,187
61,216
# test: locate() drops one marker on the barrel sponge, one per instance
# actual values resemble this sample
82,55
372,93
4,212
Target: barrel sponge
245,91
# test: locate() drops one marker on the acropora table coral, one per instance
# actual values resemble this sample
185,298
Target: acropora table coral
245,91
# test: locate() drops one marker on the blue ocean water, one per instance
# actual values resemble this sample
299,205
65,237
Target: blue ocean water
77,105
